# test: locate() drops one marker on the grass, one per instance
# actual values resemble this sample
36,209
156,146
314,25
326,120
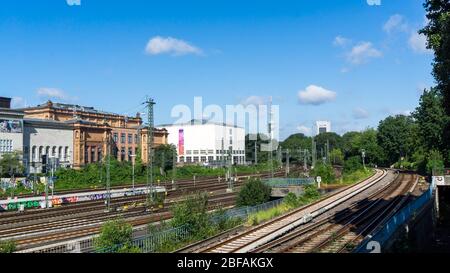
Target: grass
354,177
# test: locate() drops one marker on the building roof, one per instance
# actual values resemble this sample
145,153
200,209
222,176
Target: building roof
199,122
12,112
74,107
46,123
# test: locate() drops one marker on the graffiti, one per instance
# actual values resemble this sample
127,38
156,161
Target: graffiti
26,205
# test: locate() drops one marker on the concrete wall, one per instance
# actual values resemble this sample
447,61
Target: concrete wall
51,141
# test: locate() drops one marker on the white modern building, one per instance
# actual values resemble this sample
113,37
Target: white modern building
323,127
11,128
47,137
200,141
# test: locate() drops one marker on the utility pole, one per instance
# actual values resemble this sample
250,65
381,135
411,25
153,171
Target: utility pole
328,151
108,173
287,162
256,150
229,171
150,125
313,153
305,161
271,139
363,155
174,169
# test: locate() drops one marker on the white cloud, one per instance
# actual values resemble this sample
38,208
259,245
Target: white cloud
362,53
341,41
254,100
304,130
168,45
360,113
18,102
53,93
395,23
316,95
418,43
73,2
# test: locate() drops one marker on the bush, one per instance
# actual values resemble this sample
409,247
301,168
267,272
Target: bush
325,171
253,193
116,236
291,200
193,212
7,246
353,164
435,162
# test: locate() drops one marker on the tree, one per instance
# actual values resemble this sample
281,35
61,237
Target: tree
435,162
333,139
437,32
116,236
325,171
253,193
11,164
353,164
164,156
337,157
263,156
431,120
397,137
295,143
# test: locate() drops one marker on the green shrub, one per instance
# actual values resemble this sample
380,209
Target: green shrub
291,200
116,236
352,164
325,171
253,193
7,246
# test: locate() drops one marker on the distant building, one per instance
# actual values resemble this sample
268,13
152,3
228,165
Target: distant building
47,137
11,128
92,129
323,127
201,141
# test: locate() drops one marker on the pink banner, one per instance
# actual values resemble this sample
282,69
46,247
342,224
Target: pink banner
181,142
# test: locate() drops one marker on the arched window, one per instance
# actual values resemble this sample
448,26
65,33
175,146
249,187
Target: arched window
33,154
66,153
47,150
54,151
41,150
60,150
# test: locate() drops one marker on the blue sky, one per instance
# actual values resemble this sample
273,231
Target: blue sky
339,60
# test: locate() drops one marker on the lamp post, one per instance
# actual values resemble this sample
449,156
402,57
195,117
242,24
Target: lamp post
133,158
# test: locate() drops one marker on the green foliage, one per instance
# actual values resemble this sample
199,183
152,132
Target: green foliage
397,137
7,246
291,200
355,142
356,176
336,157
311,194
353,164
334,140
325,171
116,236
164,155
253,193
250,147
11,164
193,212
435,161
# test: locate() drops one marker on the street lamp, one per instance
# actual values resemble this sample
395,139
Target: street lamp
133,158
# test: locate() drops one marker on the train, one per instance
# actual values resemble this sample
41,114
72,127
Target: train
38,202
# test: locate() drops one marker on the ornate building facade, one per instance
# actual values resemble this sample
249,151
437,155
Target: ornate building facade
94,131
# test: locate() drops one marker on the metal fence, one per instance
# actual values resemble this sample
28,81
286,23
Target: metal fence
382,236
286,182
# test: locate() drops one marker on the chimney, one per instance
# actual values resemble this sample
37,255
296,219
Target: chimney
5,102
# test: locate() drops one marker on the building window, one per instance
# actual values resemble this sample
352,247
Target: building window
231,142
122,154
122,138
210,158
231,132
195,159
99,154
33,154
92,154
182,159
136,140
66,153
203,152
217,152
130,139
195,152
188,159
60,150
6,145
203,158
116,137
210,151
188,152
130,153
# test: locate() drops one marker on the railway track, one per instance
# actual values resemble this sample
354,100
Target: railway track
255,237
346,229
83,219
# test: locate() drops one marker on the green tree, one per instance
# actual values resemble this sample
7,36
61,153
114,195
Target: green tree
253,193
11,164
435,162
325,171
261,139
295,143
164,156
116,236
353,164
431,120
7,247
333,139
397,137
437,32
337,157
